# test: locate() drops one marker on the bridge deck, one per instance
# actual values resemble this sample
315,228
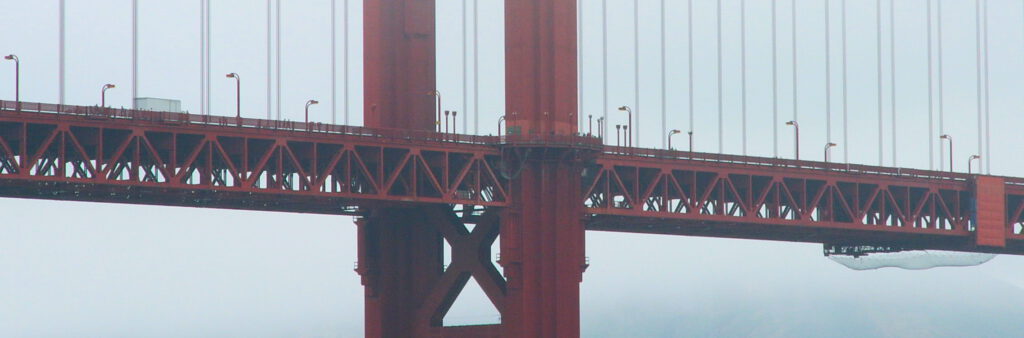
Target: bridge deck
114,155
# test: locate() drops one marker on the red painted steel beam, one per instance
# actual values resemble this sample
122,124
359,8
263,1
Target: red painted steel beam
399,64
105,149
540,66
740,197
989,205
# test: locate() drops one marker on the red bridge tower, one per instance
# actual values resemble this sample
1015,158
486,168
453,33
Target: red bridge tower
408,288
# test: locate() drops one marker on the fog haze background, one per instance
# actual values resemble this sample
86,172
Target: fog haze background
71,269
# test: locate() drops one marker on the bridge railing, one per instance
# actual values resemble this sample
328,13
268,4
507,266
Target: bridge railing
795,164
282,125
294,126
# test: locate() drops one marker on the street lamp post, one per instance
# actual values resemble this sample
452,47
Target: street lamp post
103,94
629,136
446,113
796,127
500,120
437,122
670,134
950,138
690,134
590,125
238,96
455,124
971,159
828,146
17,77
309,103
626,131
600,127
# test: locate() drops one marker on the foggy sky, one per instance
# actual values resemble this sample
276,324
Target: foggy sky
86,269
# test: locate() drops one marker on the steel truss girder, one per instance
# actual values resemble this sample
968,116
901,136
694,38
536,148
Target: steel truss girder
74,149
662,195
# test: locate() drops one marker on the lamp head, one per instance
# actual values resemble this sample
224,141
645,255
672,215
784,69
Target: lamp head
830,145
975,157
232,75
312,102
109,85
946,137
676,131
791,123
624,108
9,57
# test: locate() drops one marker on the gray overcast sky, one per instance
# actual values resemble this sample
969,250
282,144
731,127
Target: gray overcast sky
116,270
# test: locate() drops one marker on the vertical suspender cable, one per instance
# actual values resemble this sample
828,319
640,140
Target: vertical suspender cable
135,52
721,122
775,87
988,130
878,60
636,72
277,55
334,64
977,64
689,62
942,103
743,72
828,72
931,93
796,115
60,66
464,57
209,46
846,135
604,65
579,64
202,56
269,60
664,100
476,70
892,73
344,72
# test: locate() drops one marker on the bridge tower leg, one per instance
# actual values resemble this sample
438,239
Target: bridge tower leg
542,246
399,60
400,258
542,234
